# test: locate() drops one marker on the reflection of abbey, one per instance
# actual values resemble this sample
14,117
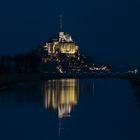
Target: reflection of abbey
61,95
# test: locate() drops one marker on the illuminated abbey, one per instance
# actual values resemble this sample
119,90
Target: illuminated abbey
63,44
61,54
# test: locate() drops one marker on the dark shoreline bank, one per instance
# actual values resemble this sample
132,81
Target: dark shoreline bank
8,80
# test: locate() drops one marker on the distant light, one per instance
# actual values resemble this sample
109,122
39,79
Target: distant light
135,71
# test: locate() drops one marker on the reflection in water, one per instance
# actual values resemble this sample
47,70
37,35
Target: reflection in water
102,115
61,95
137,94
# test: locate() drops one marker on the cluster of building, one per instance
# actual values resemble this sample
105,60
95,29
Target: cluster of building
63,44
62,54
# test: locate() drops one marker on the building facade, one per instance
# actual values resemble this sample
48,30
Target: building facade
63,44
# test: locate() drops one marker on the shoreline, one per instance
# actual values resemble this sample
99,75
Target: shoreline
8,80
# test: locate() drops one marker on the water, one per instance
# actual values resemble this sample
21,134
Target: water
70,109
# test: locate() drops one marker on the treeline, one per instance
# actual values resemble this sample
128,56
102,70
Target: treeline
20,63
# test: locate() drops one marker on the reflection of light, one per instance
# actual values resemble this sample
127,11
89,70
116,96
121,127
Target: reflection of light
61,95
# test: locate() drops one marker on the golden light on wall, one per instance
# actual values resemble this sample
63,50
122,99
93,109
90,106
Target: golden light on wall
69,48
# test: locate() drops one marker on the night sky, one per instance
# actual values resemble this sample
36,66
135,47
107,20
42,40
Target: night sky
108,30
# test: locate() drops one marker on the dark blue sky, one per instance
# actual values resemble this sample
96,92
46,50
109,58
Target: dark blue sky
108,30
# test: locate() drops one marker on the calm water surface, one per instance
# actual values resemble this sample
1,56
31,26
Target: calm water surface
100,109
